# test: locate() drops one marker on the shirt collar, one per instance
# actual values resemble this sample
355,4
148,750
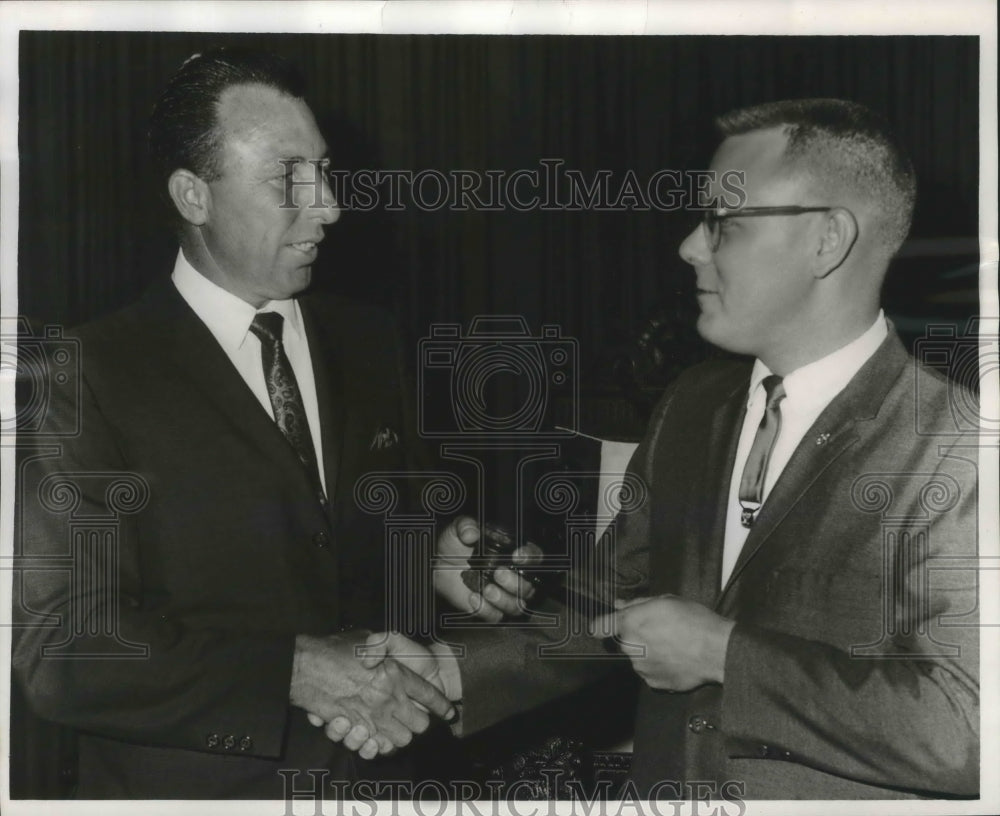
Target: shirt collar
818,382
227,316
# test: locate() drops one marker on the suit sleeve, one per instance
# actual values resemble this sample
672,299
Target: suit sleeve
508,669
901,714
87,651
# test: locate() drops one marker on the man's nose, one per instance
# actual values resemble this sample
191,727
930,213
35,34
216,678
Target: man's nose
314,197
328,210
694,249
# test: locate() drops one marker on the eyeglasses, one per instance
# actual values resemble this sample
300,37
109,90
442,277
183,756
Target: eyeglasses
713,218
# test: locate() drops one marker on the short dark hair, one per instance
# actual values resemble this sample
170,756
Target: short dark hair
841,144
184,125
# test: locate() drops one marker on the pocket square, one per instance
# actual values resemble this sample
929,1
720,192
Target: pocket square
385,437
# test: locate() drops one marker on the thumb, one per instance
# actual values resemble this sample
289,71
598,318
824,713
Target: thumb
466,530
375,649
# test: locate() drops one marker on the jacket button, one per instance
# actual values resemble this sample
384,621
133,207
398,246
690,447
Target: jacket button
321,540
212,740
765,752
229,742
698,723
246,744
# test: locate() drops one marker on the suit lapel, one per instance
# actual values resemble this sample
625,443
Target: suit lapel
834,431
194,351
720,452
805,466
328,374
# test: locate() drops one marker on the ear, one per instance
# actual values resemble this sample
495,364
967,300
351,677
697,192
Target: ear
190,195
840,233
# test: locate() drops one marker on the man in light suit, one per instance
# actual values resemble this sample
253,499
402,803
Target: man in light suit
798,590
223,424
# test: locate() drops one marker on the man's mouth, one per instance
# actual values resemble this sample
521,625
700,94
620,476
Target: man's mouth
706,292
304,246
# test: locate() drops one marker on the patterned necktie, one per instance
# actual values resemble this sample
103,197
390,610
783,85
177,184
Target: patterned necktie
283,391
752,483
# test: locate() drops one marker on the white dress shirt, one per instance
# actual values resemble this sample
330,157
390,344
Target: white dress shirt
808,391
228,318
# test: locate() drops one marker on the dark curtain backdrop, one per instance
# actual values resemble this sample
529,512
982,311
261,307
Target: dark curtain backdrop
92,234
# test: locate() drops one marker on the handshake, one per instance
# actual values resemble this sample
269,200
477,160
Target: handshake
374,692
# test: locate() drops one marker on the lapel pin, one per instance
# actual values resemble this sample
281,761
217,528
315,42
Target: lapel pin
822,439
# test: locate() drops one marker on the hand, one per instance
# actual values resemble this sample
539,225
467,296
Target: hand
435,663
683,643
373,710
504,596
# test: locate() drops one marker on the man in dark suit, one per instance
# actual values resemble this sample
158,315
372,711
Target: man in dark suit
798,589
222,572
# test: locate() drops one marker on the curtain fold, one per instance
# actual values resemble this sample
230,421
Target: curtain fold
92,235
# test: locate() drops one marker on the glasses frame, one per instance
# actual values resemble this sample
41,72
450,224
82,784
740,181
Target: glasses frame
712,219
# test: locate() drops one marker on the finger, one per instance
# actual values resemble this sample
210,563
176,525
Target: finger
412,716
506,602
337,728
527,554
314,719
514,583
398,735
391,729
402,648
420,691
482,608
369,750
385,746
466,530
375,648
356,737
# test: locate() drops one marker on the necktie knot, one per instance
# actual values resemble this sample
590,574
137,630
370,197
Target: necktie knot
267,326
774,388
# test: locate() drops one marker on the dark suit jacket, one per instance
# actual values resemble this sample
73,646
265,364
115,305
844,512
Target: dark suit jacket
228,557
852,671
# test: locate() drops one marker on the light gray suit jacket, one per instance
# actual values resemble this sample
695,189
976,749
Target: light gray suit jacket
852,671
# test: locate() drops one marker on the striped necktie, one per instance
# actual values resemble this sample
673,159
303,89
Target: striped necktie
755,472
